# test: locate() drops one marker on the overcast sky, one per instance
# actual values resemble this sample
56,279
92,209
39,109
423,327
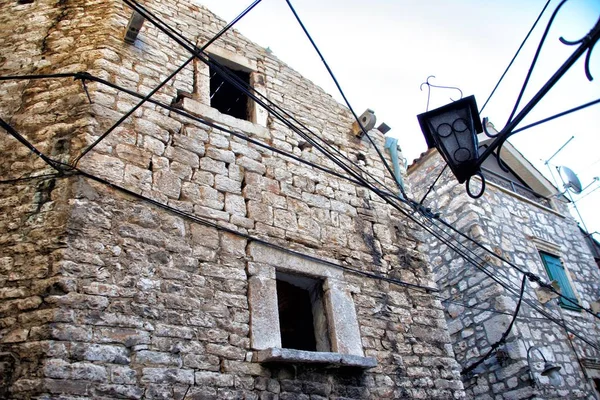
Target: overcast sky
382,50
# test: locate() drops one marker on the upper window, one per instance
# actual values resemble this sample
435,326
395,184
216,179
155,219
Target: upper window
556,272
225,97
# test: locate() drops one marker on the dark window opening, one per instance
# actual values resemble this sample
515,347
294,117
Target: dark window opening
302,321
227,98
24,1
596,384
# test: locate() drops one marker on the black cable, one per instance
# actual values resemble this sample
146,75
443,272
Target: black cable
581,107
28,178
504,335
491,275
433,184
224,72
383,160
163,83
386,198
202,221
11,131
535,57
515,56
131,111
200,56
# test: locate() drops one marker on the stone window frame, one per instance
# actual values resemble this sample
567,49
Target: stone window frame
342,322
230,59
553,249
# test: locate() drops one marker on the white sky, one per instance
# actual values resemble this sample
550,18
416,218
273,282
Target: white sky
382,50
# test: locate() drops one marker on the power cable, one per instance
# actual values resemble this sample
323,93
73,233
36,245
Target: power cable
132,3
504,335
535,57
211,224
28,178
515,56
386,198
163,83
383,160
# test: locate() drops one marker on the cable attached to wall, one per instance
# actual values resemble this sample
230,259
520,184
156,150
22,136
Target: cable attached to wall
502,340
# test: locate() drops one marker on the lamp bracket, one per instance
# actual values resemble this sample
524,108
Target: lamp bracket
430,85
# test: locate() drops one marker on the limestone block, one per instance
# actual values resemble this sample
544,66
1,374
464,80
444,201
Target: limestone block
251,165
343,327
290,262
168,183
183,156
193,140
106,167
260,212
137,178
235,204
210,165
226,156
226,184
285,219
495,327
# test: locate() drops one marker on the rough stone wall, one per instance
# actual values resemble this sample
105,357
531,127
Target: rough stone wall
105,295
515,229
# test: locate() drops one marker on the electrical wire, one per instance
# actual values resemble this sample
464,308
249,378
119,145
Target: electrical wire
386,197
515,56
227,75
383,160
211,224
223,73
164,82
504,335
535,58
28,178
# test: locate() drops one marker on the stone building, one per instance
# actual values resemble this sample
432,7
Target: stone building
180,257
523,218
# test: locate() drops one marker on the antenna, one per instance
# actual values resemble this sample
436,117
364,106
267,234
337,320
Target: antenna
570,180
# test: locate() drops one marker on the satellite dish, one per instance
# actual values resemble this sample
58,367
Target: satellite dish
570,180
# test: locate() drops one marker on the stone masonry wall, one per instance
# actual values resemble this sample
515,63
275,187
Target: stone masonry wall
482,309
106,295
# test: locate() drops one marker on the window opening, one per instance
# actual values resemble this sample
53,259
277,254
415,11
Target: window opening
227,98
302,320
556,272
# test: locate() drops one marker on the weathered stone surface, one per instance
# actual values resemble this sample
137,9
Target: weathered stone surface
106,295
516,226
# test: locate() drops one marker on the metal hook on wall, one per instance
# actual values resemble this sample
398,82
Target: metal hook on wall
430,85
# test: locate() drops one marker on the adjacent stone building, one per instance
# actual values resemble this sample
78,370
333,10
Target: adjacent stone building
523,218
168,263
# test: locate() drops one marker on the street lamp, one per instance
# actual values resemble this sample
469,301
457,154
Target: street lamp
453,128
550,370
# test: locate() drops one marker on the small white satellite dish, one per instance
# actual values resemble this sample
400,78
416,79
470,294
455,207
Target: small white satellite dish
570,180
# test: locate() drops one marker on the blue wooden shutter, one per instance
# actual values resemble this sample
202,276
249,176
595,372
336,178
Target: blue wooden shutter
556,272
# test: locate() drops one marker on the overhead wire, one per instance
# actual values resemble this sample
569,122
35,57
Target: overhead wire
164,82
211,224
360,124
515,56
231,79
386,196
502,339
488,250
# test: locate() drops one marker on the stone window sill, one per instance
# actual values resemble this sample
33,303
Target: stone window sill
291,356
